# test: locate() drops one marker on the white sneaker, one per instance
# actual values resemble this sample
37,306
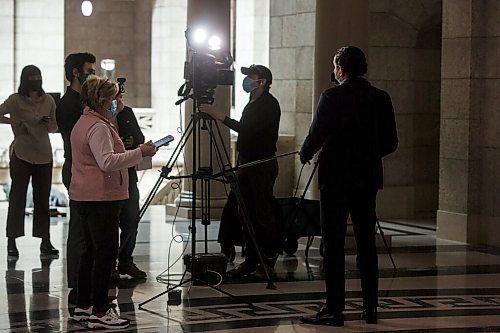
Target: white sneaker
82,314
109,320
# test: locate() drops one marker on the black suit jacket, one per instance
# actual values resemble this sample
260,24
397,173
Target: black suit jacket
355,126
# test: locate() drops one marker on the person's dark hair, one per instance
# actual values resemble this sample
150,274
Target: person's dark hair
24,86
77,60
352,60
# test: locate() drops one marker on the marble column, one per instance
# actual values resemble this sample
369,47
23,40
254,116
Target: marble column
338,23
470,138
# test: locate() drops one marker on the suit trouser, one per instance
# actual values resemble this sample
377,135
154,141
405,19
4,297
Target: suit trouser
99,221
74,243
129,224
336,205
41,179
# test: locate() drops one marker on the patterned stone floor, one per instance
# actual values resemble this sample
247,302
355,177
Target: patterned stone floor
439,286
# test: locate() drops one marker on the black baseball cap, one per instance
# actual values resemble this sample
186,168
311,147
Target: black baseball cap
262,72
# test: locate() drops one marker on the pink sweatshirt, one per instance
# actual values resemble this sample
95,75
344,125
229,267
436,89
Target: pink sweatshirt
100,161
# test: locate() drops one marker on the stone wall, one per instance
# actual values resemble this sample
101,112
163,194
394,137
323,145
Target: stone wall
32,33
119,30
291,57
469,203
404,59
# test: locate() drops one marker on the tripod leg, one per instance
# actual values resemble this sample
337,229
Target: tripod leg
386,246
239,298
164,292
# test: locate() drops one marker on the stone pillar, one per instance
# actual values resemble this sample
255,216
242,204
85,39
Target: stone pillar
338,23
39,40
470,138
7,33
214,16
168,51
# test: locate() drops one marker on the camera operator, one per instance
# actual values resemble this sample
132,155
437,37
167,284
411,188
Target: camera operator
257,137
132,136
98,187
355,127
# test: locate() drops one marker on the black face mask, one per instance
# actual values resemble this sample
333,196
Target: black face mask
332,78
35,85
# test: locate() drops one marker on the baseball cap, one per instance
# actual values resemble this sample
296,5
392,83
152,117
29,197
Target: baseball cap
262,72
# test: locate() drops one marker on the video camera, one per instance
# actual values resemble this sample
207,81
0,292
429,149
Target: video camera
204,73
121,85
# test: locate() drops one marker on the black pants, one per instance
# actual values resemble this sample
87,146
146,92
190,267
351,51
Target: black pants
256,184
129,224
41,179
100,233
75,240
336,205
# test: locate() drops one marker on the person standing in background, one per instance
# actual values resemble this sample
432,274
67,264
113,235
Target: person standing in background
32,118
77,67
132,136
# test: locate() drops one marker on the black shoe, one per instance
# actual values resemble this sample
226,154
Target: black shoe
324,317
115,276
229,252
12,248
131,270
260,273
47,248
244,269
370,315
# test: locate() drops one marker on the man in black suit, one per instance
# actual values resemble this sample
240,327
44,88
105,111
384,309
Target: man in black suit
355,127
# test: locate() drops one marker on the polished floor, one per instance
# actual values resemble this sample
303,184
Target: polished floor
439,286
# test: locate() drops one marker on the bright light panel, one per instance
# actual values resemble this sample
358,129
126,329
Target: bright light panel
214,43
199,36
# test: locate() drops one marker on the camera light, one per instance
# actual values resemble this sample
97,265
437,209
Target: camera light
87,8
199,36
108,64
214,43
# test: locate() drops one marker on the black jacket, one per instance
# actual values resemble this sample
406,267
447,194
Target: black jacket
257,129
355,126
128,126
68,111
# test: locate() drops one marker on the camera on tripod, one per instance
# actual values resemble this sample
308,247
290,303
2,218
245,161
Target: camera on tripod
204,73
208,67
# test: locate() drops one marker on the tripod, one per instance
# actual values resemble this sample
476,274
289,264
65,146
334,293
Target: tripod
205,174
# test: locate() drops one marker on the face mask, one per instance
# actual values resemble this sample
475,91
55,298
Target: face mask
112,110
247,84
35,85
335,79
84,77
